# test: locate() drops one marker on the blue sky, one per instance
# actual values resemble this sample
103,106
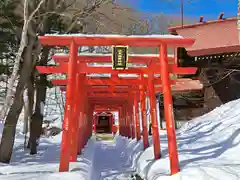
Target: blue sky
210,9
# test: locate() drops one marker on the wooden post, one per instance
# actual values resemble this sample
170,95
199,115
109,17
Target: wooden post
80,132
86,119
120,122
123,121
74,134
81,113
91,120
131,116
137,123
129,121
153,112
85,129
144,117
91,124
68,115
168,111
95,123
133,122
126,121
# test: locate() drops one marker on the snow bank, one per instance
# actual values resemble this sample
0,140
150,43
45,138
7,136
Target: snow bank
45,164
85,161
208,148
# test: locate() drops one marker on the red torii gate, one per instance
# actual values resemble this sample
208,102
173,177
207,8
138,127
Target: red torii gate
82,94
107,114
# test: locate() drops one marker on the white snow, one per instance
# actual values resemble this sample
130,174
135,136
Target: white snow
45,164
208,150
111,158
110,55
118,36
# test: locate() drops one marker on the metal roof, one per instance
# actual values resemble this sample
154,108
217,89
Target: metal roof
212,37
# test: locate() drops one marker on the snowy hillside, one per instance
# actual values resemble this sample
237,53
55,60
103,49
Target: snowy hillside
208,148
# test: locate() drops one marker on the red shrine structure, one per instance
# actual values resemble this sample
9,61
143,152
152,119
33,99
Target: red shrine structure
86,94
216,52
104,122
207,35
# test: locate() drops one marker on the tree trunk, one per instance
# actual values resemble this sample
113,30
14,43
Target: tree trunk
9,129
30,86
37,118
41,88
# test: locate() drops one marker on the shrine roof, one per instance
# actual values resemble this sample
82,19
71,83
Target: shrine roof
217,21
212,37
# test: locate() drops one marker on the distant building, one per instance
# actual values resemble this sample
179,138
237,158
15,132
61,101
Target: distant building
216,53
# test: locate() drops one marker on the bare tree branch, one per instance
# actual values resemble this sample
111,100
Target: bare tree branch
10,93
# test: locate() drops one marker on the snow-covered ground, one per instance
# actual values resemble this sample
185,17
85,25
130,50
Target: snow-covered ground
99,160
45,164
208,150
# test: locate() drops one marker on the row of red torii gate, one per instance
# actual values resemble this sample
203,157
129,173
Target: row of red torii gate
86,94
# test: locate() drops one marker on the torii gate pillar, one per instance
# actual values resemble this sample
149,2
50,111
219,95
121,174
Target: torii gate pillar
136,112
144,116
168,111
153,112
69,108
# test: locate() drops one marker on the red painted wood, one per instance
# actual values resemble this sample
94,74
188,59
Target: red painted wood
108,59
153,113
118,41
136,113
212,37
144,116
168,112
75,130
108,70
68,115
109,82
100,93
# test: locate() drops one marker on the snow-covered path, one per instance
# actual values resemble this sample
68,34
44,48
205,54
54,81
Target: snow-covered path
110,158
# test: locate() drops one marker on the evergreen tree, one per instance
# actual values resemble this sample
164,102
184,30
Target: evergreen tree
10,25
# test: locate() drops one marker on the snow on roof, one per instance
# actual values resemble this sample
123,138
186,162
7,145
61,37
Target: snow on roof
132,65
102,54
98,75
117,35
